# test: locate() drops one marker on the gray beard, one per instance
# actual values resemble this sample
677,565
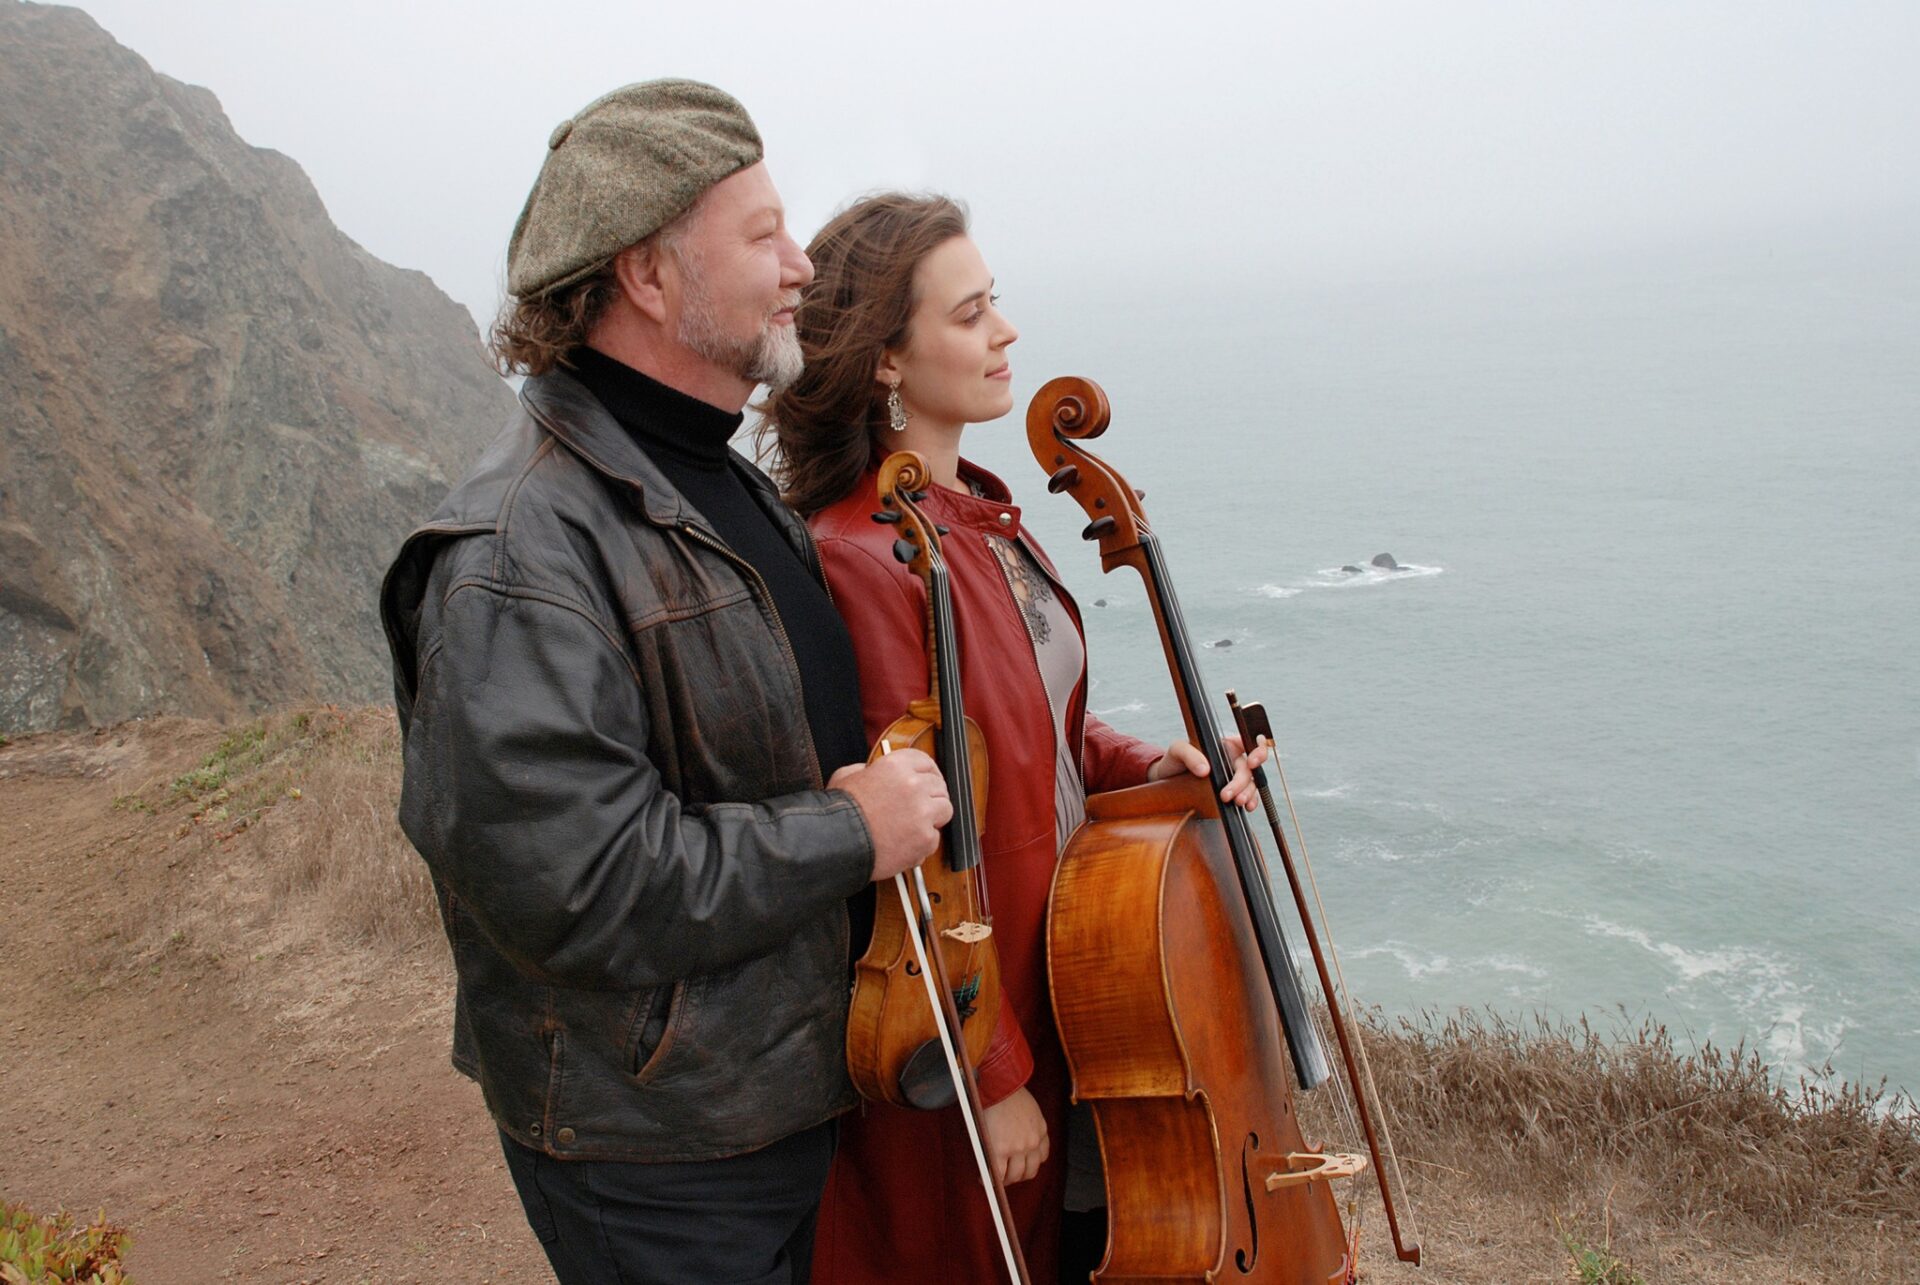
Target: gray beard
772,357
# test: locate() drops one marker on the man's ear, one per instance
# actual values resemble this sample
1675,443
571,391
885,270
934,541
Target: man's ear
647,279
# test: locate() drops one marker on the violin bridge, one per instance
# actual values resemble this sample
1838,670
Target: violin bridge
1312,1166
968,933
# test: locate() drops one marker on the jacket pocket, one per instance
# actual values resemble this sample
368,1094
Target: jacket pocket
655,1026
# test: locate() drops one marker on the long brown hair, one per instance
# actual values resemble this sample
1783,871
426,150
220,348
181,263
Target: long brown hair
856,308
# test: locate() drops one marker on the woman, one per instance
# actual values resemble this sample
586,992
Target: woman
905,346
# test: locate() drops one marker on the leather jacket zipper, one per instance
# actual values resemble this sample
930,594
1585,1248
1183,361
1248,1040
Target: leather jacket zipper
1019,549
1066,600
780,626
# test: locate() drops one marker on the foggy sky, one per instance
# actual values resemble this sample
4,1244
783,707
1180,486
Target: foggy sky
1111,143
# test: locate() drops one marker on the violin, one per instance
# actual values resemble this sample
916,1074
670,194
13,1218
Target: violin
1176,995
927,990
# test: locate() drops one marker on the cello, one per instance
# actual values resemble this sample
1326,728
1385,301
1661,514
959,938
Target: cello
927,989
1176,996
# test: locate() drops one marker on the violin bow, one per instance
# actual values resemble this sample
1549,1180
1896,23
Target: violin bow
900,477
1256,729
947,1020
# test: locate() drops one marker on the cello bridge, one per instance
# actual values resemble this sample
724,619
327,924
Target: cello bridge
969,933
1304,1167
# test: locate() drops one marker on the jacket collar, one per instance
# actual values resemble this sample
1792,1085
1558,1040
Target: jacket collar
564,407
991,512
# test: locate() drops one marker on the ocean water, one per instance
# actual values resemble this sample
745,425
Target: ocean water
1637,733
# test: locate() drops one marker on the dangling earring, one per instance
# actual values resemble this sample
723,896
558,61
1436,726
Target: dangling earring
896,413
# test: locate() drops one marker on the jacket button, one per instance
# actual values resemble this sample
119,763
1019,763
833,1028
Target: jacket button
1006,519
566,1137
534,1128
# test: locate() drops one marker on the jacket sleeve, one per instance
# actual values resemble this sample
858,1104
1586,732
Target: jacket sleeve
885,612
1008,1063
528,791
1112,760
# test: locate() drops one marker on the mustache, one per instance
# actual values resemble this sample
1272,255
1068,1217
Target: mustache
787,302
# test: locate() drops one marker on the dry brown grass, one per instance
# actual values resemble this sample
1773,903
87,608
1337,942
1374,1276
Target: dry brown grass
343,856
286,829
1706,1136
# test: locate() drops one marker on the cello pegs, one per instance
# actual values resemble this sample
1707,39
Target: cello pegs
1139,494
887,515
1097,528
939,530
904,550
1063,479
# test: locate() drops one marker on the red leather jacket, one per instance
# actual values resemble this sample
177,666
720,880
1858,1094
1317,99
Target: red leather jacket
887,1154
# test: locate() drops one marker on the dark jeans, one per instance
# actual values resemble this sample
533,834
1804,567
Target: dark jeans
744,1220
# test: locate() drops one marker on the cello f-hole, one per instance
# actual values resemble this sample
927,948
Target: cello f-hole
1245,1259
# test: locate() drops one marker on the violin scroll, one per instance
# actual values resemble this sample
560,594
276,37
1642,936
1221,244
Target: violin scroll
904,471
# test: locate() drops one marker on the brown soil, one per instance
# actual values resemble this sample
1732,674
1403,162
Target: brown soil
225,1003
253,1099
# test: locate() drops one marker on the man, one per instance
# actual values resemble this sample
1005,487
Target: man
633,738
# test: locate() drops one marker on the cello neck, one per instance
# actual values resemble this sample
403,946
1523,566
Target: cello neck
1062,413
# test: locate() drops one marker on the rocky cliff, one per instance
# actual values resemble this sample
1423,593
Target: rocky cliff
218,415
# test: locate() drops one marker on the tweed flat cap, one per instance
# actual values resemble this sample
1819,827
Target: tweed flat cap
621,169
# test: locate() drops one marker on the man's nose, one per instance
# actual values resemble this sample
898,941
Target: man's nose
797,268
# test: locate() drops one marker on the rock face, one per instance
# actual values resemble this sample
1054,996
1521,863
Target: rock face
218,415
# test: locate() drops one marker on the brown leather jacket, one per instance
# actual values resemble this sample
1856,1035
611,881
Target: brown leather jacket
610,774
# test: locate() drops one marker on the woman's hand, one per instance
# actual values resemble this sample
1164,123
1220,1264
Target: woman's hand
1184,756
1016,1136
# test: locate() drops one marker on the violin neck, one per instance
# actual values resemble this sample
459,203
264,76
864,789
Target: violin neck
956,763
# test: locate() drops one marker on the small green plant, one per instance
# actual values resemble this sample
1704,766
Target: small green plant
1597,1266
132,803
239,751
35,1249
1593,1266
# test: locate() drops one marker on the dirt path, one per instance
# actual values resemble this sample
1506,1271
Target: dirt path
249,1111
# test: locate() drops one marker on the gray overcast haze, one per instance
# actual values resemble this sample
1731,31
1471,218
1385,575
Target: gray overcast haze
1270,143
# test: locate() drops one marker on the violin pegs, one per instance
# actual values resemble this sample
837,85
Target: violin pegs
939,530
1139,494
886,515
1097,528
904,550
1063,479
918,497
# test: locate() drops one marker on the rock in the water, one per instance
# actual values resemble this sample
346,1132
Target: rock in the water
1385,562
218,415
1099,602
1352,570
1224,642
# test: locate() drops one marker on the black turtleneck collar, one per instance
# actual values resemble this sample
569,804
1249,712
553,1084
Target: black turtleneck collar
664,419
